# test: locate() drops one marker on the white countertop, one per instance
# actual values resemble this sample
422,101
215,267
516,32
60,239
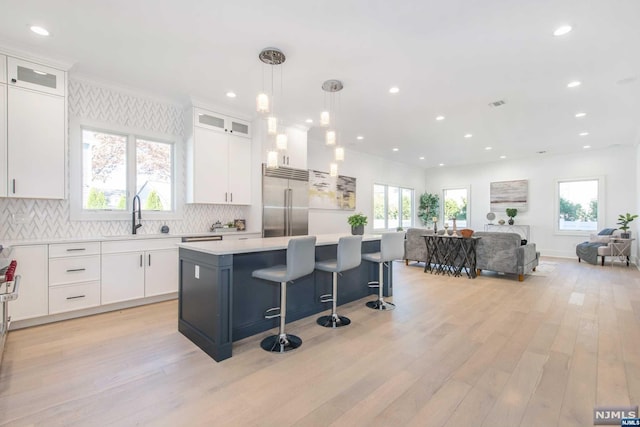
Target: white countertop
230,247
53,240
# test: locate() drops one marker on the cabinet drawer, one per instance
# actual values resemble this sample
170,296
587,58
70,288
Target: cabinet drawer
74,249
73,297
134,245
74,269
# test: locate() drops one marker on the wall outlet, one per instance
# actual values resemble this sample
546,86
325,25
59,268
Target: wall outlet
20,218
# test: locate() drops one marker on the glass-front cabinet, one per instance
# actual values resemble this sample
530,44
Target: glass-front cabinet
33,76
221,123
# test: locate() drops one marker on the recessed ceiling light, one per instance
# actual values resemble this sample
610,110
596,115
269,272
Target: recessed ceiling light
467,135
394,89
395,149
488,148
440,118
561,31
574,84
441,164
503,157
360,137
309,120
39,30
231,94
583,133
421,157
578,115
586,146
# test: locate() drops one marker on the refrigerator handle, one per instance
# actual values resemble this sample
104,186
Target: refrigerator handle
290,212
286,211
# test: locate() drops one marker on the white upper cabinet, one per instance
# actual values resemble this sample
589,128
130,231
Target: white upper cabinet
295,156
33,126
3,69
3,127
29,75
218,162
221,123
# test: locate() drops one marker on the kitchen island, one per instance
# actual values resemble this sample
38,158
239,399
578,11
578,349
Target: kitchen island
219,301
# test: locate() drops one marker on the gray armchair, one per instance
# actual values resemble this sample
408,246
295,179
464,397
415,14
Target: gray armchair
503,252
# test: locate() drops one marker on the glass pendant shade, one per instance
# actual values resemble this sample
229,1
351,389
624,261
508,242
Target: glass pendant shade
333,169
262,103
339,154
330,137
272,125
281,141
272,159
324,118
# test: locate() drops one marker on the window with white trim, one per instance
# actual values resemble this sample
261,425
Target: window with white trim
393,207
456,205
579,205
111,166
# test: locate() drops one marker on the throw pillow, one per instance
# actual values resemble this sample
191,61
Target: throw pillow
607,231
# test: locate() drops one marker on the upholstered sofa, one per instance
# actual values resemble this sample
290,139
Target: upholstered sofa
505,253
415,248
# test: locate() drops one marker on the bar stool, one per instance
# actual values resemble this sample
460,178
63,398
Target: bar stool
391,248
348,257
301,254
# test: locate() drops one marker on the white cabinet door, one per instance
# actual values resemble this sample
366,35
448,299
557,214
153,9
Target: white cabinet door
3,138
36,145
296,154
239,168
239,127
161,272
3,69
209,170
122,277
30,75
33,297
209,120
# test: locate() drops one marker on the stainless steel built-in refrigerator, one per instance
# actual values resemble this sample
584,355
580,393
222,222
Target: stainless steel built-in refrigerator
285,202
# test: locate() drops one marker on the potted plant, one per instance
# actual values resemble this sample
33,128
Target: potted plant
511,213
428,208
357,223
623,222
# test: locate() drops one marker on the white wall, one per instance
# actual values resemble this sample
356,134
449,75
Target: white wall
367,170
616,164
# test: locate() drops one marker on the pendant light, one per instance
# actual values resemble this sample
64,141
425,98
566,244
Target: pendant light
328,117
339,154
333,169
266,104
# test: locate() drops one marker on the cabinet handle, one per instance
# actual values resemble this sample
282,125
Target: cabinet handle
225,197
231,197
140,260
76,297
76,269
149,260
14,186
284,160
14,81
76,249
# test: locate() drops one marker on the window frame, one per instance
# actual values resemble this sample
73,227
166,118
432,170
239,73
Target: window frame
467,188
78,213
386,207
601,206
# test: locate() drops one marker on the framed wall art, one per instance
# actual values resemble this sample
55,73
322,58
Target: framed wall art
509,194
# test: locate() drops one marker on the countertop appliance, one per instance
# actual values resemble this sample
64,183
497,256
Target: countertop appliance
9,287
285,202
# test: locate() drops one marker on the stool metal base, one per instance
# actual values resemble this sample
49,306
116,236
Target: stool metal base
381,304
333,321
278,344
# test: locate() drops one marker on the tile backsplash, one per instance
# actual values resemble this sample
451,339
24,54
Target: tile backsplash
26,219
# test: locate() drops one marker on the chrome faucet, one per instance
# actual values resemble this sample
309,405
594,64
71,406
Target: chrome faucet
134,226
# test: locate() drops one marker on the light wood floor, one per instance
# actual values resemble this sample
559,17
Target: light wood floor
491,351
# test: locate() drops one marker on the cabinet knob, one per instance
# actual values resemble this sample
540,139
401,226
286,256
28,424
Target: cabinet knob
14,81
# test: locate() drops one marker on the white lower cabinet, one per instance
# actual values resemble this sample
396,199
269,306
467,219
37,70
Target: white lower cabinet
74,276
34,293
138,268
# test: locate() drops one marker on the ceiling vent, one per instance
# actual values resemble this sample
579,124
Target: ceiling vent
497,103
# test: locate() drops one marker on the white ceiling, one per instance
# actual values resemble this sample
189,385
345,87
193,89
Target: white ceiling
447,57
